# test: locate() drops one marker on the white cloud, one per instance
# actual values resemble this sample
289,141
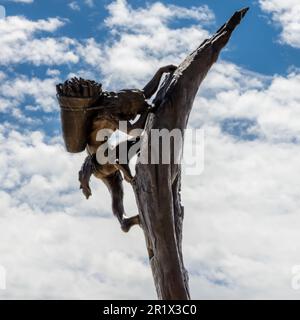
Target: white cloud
140,36
19,43
248,191
287,15
89,3
22,1
45,221
272,102
154,16
242,219
53,72
4,104
74,6
41,90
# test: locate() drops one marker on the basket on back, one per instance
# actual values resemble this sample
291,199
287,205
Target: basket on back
77,99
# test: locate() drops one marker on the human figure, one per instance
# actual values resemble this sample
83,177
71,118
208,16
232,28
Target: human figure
124,105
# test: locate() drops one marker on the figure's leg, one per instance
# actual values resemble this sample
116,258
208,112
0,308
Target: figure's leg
125,147
114,184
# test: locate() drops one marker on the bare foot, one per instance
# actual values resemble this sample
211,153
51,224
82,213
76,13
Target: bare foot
127,223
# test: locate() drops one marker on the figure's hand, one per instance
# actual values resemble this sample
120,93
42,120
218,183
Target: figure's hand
168,68
84,185
84,176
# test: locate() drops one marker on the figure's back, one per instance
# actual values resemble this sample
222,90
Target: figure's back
127,103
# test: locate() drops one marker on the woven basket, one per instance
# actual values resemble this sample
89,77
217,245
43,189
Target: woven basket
76,117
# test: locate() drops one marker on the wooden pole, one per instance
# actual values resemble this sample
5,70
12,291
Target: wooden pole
157,186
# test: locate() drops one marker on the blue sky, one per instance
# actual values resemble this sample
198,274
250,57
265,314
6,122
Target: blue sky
242,219
255,47
258,50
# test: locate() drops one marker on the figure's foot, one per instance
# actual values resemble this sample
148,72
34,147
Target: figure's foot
127,223
129,179
124,168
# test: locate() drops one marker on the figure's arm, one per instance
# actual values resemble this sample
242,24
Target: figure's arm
152,86
139,124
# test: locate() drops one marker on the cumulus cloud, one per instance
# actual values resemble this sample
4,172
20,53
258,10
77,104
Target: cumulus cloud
47,219
140,37
244,213
42,91
19,43
271,102
153,16
249,195
286,14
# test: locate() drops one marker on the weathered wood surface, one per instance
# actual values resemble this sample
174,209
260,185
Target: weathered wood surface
157,186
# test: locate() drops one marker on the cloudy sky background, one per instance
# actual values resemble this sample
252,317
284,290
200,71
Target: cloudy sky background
242,223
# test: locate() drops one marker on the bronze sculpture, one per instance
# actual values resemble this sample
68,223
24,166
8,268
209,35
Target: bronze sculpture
157,186
109,108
